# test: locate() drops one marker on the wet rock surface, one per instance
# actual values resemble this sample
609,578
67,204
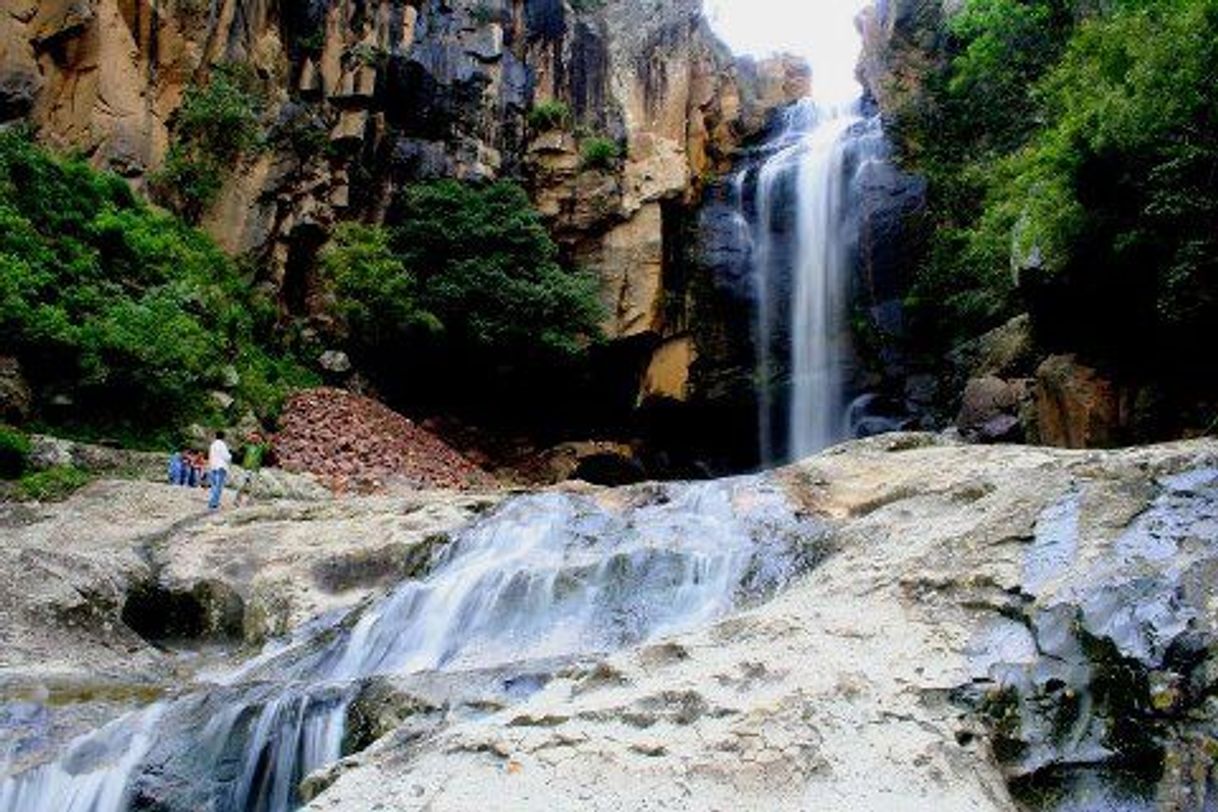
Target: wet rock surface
116,597
996,628
991,628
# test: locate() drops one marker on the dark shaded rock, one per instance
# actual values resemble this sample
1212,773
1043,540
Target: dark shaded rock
209,610
609,469
990,409
16,398
19,86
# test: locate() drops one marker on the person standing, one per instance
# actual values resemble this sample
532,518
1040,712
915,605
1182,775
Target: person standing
255,455
218,460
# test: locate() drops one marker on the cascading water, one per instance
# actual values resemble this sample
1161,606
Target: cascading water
799,196
545,576
803,216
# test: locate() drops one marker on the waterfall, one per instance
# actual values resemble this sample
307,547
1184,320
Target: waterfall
803,213
544,577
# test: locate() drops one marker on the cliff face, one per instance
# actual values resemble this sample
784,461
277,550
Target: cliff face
386,93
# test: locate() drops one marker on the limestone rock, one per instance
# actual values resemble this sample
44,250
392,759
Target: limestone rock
962,639
668,374
976,620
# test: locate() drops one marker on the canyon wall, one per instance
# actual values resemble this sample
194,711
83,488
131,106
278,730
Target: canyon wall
367,96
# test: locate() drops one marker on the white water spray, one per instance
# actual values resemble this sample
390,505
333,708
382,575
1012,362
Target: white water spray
546,576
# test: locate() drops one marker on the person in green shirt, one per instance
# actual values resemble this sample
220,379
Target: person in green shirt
256,448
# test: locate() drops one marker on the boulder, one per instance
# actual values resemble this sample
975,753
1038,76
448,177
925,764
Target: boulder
1077,407
53,452
1006,351
334,361
990,409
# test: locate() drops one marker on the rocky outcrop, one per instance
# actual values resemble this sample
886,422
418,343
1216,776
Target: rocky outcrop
988,628
280,562
994,629
16,398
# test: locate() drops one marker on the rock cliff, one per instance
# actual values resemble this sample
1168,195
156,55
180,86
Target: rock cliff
364,96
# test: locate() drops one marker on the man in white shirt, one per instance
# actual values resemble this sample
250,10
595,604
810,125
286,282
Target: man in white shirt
218,459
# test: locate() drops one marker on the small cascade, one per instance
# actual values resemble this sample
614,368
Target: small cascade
546,576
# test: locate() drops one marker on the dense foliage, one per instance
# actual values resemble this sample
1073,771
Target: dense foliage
124,315
14,449
1073,159
467,275
599,152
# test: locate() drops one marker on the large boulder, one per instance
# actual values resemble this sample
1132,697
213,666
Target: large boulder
993,409
1077,407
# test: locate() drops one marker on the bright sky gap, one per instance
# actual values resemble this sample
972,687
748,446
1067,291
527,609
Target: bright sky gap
823,31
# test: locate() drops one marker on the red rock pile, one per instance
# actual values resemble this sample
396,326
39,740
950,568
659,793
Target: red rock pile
354,443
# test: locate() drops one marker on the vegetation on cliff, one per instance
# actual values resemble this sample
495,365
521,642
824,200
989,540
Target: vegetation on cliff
123,317
1073,160
466,280
216,125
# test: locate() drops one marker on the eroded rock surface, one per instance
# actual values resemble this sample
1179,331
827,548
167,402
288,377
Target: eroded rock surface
100,591
973,628
995,627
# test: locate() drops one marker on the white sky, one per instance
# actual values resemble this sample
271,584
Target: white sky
821,30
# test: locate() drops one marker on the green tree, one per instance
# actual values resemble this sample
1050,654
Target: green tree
217,125
488,270
375,293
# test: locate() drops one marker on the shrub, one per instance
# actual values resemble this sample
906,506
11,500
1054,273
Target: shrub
549,115
129,311
188,183
487,269
14,450
54,484
221,116
599,153
367,54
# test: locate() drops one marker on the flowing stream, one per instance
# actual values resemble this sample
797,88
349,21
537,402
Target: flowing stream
544,576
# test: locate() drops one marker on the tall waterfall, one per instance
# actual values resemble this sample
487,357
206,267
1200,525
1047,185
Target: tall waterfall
802,216
545,577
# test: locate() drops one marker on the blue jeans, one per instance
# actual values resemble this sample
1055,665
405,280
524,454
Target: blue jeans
217,487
